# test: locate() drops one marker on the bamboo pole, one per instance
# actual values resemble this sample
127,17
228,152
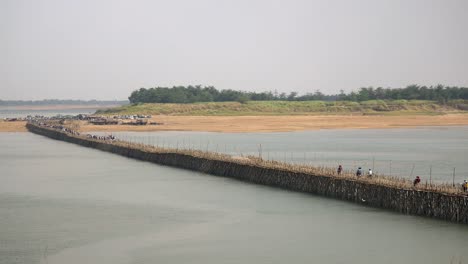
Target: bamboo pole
453,180
430,176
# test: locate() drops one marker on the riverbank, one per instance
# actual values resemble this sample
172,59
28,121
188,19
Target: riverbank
17,126
269,123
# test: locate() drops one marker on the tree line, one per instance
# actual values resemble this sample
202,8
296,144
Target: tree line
193,94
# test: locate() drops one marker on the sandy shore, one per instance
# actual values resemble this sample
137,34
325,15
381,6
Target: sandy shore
13,126
270,123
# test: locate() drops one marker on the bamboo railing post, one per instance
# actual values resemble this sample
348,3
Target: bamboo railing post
453,180
430,176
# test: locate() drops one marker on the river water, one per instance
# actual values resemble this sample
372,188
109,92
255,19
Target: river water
430,152
14,113
62,203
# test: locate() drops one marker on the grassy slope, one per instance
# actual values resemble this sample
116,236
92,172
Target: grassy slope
398,107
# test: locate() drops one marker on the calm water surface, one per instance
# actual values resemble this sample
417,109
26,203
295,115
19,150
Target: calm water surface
4,113
61,203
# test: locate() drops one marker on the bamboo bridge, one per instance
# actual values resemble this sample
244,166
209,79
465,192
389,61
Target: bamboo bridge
439,201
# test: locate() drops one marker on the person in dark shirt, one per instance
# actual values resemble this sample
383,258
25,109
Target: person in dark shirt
340,169
416,181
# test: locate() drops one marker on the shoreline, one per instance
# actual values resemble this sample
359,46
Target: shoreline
246,124
54,107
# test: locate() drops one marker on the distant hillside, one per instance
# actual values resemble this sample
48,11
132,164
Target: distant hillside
394,107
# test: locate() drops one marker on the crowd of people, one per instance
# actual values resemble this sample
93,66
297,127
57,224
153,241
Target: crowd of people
57,127
108,137
71,131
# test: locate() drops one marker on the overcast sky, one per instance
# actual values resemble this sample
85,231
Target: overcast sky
104,49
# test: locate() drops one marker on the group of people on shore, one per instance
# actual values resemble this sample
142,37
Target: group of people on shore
73,132
58,127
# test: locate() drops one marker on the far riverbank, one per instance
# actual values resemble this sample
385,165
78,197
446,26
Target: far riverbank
241,124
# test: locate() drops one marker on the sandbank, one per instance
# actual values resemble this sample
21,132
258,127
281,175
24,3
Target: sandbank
269,123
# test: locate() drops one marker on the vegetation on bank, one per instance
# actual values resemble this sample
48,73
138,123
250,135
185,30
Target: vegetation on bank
194,94
381,107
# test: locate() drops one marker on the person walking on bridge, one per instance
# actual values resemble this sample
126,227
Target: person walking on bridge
416,181
465,186
340,169
370,173
359,172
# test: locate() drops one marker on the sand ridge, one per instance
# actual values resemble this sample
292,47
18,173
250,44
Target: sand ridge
18,126
285,123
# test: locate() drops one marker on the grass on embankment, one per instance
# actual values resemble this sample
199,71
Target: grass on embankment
378,107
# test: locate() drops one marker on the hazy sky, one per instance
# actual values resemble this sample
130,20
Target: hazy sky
104,49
